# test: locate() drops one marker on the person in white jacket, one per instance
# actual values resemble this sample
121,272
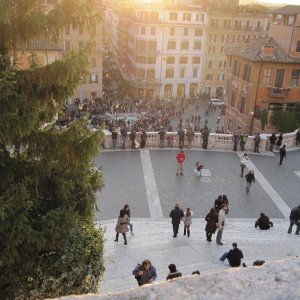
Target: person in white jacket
221,223
187,221
243,163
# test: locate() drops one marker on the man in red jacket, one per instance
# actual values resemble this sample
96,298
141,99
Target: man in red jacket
180,157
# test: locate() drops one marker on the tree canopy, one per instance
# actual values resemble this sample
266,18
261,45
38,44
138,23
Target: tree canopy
47,179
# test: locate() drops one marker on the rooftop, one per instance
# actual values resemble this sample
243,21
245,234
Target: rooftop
253,51
287,10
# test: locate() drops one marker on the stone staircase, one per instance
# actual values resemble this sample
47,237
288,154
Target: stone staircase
153,240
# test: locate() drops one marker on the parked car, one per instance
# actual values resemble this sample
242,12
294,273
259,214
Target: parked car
217,102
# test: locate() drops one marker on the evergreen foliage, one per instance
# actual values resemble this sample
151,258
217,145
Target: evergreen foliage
47,180
285,121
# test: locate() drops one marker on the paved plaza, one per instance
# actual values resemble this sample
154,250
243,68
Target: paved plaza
147,181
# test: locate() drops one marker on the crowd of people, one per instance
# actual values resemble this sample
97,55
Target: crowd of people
145,273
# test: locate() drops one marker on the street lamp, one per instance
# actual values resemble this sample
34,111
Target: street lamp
252,114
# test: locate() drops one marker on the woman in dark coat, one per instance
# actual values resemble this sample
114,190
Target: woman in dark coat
279,141
211,225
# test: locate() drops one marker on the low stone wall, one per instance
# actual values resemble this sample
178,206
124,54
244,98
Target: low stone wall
215,141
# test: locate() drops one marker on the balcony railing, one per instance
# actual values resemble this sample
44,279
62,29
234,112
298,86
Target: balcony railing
278,92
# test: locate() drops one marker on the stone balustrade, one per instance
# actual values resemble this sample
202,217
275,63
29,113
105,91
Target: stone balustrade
215,141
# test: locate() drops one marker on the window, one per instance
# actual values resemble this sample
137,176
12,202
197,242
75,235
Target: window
196,60
171,45
140,73
208,77
242,107
209,65
80,45
94,78
173,16
184,45
291,20
152,46
144,16
214,23
195,73
258,26
141,59
151,74
183,60
232,98
295,78
222,50
94,62
141,45
246,73
186,17
222,64
279,78
151,60
237,24
67,30
298,46
153,16
221,77
266,78
67,45
185,31
169,73
182,71
226,24
143,31
236,68
172,31
200,18
153,31
197,45
170,60
198,32
212,37
211,50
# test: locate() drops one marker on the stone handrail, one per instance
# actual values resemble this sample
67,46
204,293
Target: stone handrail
215,141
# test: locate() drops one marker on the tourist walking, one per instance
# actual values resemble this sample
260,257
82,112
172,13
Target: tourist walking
122,226
173,272
249,179
123,136
282,154
145,273
295,219
221,224
243,163
279,141
187,220
180,158
243,141
176,214
181,135
257,140
233,256
143,138
114,136
263,222
272,141
298,138
205,135
162,134
211,223
126,210
132,137
190,136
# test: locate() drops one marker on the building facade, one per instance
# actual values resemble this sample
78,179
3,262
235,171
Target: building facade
225,27
264,75
160,48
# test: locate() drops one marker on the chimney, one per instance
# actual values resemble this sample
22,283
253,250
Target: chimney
267,49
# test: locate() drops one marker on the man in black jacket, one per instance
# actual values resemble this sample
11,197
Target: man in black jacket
295,219
282,154
176,214
263,222
233,256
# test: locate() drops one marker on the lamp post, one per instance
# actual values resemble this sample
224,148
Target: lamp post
252,114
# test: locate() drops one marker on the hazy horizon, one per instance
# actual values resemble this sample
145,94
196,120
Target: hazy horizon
275,2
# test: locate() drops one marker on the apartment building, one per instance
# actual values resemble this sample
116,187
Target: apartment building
159,48
264,74
224,27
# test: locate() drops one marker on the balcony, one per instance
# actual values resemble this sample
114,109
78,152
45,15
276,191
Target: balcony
277,92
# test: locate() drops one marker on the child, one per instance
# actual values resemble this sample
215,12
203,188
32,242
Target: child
198,168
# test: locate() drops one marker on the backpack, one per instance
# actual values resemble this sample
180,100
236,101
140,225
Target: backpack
138,277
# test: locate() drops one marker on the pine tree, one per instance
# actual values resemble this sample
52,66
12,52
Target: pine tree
47,182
